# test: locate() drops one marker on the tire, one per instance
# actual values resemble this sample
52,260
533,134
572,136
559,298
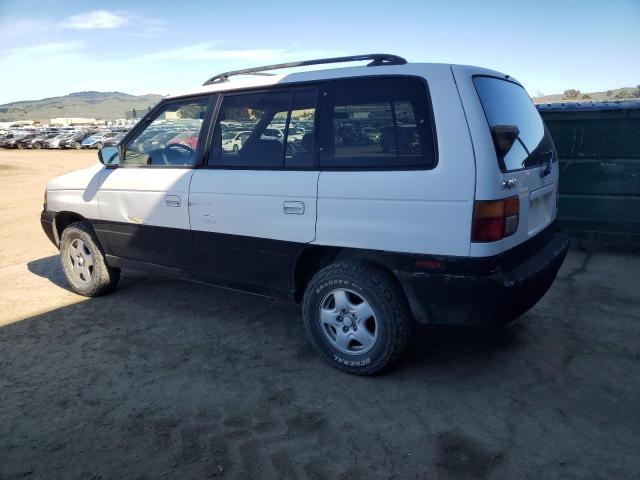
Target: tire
384,329
79,241
36,146
76,145
235,149
98,145
19,146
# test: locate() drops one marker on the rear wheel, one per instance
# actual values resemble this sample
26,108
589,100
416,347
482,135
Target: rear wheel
98,145
36,146
76,145
357,317
83,261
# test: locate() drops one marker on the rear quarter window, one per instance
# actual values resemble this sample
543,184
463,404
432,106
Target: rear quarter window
397,108
508,108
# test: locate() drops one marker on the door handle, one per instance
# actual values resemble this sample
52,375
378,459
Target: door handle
293,208
172,200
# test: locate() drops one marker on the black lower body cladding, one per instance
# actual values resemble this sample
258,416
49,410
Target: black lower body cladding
46,220
486,291
492,299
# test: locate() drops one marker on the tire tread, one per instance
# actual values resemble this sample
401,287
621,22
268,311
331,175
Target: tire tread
106,277
390,294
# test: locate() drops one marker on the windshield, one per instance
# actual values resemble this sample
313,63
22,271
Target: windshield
509,109
228,136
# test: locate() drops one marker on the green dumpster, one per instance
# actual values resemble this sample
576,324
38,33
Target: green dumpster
598,146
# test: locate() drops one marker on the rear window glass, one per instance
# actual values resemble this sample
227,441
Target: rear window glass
507,105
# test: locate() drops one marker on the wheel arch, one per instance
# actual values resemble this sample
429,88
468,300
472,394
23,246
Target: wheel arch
62,220
315,257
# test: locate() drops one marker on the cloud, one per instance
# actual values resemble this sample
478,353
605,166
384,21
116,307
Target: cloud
53,49
78,68
95,20
209,52
23,27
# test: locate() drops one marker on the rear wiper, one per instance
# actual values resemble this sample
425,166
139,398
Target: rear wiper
547,168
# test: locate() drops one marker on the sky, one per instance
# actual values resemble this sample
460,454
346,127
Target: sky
55,47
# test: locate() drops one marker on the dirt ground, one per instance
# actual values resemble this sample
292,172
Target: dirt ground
168,379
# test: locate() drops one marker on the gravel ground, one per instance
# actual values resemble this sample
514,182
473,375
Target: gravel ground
167,379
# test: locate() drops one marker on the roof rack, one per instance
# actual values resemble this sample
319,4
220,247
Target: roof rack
377,59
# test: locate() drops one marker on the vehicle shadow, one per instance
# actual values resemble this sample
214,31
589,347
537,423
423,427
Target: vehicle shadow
442,346
430,345
49,268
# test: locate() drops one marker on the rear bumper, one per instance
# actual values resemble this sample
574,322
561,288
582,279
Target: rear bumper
46,220
491,299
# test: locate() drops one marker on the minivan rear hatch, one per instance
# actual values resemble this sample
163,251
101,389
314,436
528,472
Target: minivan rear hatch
515,155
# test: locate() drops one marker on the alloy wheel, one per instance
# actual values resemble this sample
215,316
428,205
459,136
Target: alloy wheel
81,261
348,321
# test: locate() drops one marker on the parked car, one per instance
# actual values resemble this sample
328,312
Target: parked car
38,142
115,140
232,141
7,139
29,141
373,134
93,141
55,141
457,231
159,139
4,139
20,141
74,140
352,134
406,135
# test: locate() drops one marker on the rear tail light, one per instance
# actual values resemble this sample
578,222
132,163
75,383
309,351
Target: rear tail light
494,220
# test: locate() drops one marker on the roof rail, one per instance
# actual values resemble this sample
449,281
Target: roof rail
377,59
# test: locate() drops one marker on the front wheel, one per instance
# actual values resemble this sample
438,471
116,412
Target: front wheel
83,261
98,145
357,317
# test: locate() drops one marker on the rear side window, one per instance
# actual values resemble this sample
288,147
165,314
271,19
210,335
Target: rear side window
519,135
377,123
265,130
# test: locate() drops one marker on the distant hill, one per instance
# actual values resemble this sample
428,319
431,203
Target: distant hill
625,93
99,105
112,105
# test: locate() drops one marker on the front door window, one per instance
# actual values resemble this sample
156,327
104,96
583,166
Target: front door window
171,138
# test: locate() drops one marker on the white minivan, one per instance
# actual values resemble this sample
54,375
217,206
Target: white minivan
445,217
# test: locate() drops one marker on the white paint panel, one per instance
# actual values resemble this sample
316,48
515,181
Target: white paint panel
416,211
251,203
139,195
76,191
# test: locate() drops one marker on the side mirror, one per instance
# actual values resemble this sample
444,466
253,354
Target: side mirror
109,155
